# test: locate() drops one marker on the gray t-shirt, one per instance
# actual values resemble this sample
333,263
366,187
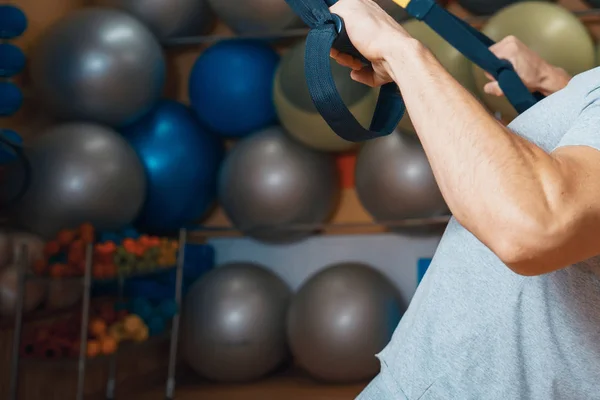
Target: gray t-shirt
476,330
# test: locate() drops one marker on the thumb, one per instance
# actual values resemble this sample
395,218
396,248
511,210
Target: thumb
493,88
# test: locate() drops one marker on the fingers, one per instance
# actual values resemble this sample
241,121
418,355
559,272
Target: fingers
493,88
346,60
364,76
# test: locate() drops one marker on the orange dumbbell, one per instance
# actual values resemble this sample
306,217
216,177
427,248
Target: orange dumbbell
97,328
87,233
108,345
93,348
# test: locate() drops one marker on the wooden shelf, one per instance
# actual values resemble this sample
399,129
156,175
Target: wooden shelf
288,385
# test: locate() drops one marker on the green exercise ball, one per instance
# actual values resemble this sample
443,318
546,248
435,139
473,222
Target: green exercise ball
450,58
550,30
298,114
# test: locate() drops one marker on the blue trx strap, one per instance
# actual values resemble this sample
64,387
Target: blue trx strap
328,31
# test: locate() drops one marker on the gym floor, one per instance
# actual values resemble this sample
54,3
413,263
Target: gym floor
288,385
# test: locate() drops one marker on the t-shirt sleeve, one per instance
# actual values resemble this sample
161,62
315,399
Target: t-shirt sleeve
586,129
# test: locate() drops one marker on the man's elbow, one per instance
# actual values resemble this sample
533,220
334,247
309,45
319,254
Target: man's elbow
520,259
531,250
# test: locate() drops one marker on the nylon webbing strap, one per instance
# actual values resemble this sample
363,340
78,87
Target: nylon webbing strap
475,46
325,29
327,99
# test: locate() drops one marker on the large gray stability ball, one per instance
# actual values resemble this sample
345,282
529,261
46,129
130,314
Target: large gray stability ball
98,65
81,173
256,16
339,319
233,327
394,180
275,189
167,19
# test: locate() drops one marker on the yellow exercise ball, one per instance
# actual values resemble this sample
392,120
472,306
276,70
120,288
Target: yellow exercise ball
550,30
455,63
299,116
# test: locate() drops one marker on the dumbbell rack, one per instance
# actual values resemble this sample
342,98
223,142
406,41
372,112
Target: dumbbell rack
82,361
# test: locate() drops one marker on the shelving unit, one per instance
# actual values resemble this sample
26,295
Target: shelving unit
298,33
82,361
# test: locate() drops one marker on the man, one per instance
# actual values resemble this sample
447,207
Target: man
510,307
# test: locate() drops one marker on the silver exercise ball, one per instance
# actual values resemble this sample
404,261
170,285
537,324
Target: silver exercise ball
98,65
394,180
269,181
256,16
233,327
339,319
167,18
35,291
81,173
5,248
34,244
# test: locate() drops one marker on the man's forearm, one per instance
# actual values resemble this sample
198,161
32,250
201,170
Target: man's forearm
495,182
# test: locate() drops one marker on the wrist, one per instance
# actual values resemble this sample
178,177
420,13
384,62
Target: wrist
552,79
399,49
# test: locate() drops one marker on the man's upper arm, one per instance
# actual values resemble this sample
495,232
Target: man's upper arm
578,156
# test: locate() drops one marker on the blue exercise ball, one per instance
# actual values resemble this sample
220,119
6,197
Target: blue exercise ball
13,22
231,87
181,161
11,99
12,60
7,152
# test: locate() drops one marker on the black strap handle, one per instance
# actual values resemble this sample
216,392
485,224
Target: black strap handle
475,46
328,32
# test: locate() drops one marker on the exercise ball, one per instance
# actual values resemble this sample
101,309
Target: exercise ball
485,7
551,31
182,163
11,99
297,112
98,65
13,22
34,244
81,173
256,16
269,181
233,326
394,180
5,248
12,60
339,319
167,18
35,291
451,59
231,87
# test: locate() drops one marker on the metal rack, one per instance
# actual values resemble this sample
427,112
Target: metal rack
83,360
302,32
